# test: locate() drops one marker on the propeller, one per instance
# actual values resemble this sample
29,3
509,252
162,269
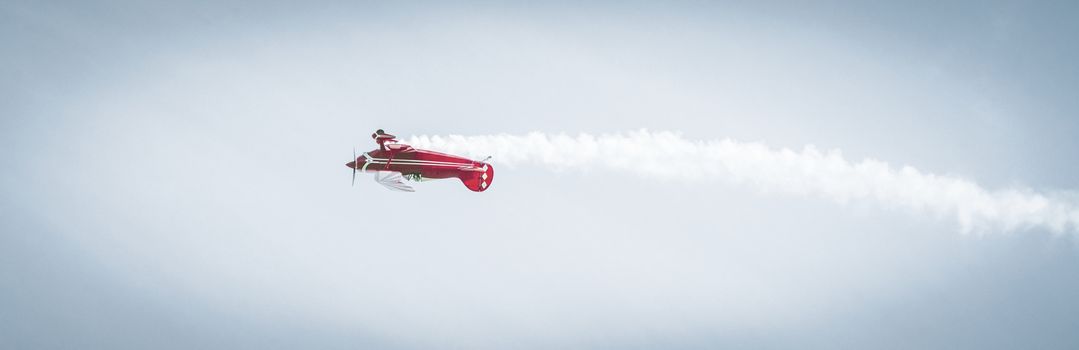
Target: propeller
354,167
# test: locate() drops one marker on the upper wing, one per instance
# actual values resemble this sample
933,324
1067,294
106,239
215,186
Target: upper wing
392,180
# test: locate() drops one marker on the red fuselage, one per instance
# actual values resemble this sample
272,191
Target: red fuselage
416,163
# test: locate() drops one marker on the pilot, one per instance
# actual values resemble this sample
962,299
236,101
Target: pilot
381,137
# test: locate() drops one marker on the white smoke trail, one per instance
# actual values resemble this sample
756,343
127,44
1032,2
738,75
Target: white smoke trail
827,174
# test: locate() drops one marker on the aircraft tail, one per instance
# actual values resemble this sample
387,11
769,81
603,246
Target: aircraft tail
478,179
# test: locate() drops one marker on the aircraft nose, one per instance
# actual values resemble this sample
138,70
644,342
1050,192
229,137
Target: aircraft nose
351,164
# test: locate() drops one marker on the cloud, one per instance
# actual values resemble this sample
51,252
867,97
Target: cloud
827,174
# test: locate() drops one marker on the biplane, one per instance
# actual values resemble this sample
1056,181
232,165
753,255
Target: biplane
394,162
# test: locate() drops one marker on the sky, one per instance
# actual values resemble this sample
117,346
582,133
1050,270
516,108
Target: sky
174,175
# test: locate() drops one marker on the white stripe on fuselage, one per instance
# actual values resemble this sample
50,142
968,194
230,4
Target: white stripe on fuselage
412,160
365,163
423,164
418,161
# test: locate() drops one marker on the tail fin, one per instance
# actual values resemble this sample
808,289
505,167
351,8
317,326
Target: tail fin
478,179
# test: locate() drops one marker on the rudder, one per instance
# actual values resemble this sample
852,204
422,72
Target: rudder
480,179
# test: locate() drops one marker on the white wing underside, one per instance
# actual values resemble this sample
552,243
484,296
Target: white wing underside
392,180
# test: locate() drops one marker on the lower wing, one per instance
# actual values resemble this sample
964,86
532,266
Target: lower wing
392,180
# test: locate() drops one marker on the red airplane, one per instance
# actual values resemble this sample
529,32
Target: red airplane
394,162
